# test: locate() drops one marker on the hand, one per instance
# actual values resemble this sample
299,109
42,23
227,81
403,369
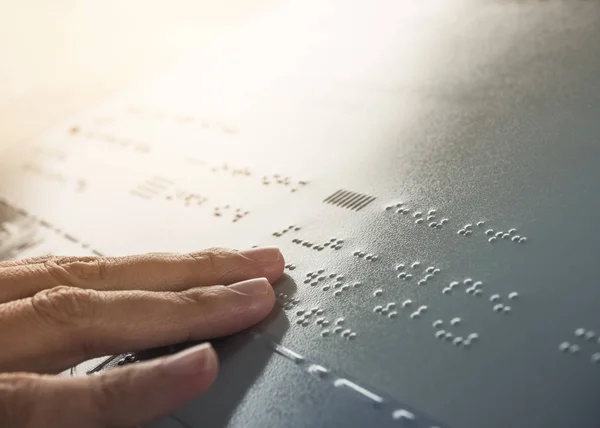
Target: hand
57,312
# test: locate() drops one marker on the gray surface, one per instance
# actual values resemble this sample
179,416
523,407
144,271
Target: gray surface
483,111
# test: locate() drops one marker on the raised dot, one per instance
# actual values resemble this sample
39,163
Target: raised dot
361,254
457,341
332,275
444,221
369,257
399,204
433,224
596,357
430,269
505,236
466,343
513,295
470,290
499,234
321,278
415,315
440,334
337,285
516,238
403,415
422,308
580,332
314,283
494,298
402,275
393,314
406,303
325,323
430,217
446,290
346,333
461,232
357,285
498,307
512,231
417,214
492,239
436,271
319,321
337,293
477,284
408,276
421,282
337,329
506,309
477,292
300,312
432,212
340,321
345,287
352,336
455,321
356,253
574,349
374,258
325,333
589,335
473,336
468,232
400,267
389,207
378,292
468,281
448,335
564,346
438,323
489,232
326,288
305,323
522,240
415,265
299,321
480,223
428,277
377,309
454,284
419,221
390,305
340,277
468,226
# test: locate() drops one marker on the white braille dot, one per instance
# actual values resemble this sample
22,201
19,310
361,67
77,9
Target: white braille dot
346,333
461,231
473,336
406,303
417,214
564,346
408,276
506,309
494,298
455,321
444,221
393,314
505,236
337,293
337,285
440,333
352,336
492,239
325,288
516,238
498,307
299,320
357,285
432,212
523,240
428,277
339,321
400,266
374,258
477,292
436,271
589,335
438,323
419,221
457,341
369,257
448,335
430,217
574,349
325,333
338,329
377,309
421,282
468,281
415,265
446,290
480,223
470,290
300,312
403,415
319,321
325,323
477,284
579,332
433,224
468,226
513,295
430,269
378,292
332,275
340,277
384,311
390,305
305,323
454,284
512,231
489,232
596,357
415,315
422,309
402,275
345,287
499,234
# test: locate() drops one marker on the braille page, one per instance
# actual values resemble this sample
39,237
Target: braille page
429,170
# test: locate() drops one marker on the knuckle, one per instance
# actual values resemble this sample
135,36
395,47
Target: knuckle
16,400
65,306
75,271
211,260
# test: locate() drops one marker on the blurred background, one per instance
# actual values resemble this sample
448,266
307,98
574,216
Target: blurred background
59,57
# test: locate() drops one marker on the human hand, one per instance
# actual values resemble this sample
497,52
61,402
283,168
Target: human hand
56,312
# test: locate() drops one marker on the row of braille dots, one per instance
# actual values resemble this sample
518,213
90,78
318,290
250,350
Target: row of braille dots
573,348
290,266
286,301
448,336
333,243
401,268
474,288
511,234
500,307
305,316
467,229
286,230
367,256
389,308
419,216
284,181
320,277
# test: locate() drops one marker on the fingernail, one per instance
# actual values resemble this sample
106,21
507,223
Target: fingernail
252,287
196,359
263,254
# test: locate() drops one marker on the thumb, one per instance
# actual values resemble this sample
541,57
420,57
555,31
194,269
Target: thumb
123,397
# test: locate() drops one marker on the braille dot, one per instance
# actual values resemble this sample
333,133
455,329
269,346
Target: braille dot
430,218
468,226
369,257
436,271
523,240
455,321
305,323
428,277
438,323
393,314
589,335
337,293
356,253
345,287
506,309
326,288
432,212
320,312
319,321
325,323
498,307
513,295
415,315
457,341
419,221
489,232
357,285
390,305
332,275
377,309
596,357
361,254
338,329
340,277
515,238
446,290
352,336
408,276
306,281
402,275
384,311
433,224
314,283
300,312
406,303
505,236
477,284
473,336
374,258
461,232
417,214
448,335
321,278
422,308
440,334
400,267
325,333
580,332
454,284
421,282
564,346
444,221
494,298
340,321
399,204
415,265
389,207
512,231
378,292
468,281
337,285
574,349
477,292
480,223
499,234
346,333
430,269
466,343
492,239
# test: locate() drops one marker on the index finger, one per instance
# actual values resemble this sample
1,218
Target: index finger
153,272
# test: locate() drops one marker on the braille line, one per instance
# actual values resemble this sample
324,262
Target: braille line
357,202
350,203
364,392
331,198
345,196
364,204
